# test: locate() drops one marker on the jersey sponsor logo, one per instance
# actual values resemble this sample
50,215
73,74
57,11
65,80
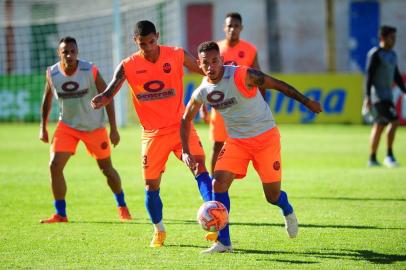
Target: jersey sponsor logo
141,71
167,67
154,86
215,96
70,86
225,104
156,91
216,100
76,94
241,54
276,165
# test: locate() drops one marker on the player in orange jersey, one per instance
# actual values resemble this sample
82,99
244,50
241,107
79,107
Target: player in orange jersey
74,83
235,51
155,74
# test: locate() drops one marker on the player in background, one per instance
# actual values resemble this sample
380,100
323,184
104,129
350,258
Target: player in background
74,83
155,74
253,135
235,51
382,70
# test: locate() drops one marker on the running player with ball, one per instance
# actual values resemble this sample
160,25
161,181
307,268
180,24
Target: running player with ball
253,135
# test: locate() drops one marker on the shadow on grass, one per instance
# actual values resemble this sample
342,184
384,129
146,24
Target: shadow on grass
352,199
264,224
356,255
344,254
133,222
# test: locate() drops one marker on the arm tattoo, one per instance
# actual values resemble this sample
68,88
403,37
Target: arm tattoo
116,83
293,93
256,76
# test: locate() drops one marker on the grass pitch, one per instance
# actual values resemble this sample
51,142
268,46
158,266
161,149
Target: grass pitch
351,216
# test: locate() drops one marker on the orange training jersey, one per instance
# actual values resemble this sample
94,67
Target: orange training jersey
242,54
157,88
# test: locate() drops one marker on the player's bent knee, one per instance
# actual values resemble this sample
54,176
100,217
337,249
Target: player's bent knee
273,197
55,166
109,172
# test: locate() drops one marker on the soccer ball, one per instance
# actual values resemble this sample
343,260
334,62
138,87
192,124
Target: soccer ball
212,216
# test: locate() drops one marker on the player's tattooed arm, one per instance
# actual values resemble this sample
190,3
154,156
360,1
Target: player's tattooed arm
259,79
106,97
116,82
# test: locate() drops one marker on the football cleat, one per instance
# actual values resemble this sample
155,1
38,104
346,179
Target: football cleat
124,213
390,162
55,218
291,225
158,239
218,247
211,236
373,163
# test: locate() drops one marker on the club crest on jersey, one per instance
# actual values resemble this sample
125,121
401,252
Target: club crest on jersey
241,54
167,67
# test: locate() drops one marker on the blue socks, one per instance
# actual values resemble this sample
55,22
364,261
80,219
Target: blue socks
204,183
60,206
154,205
284,204
224,234
120,199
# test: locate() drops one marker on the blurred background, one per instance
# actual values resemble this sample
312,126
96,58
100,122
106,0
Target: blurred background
319,46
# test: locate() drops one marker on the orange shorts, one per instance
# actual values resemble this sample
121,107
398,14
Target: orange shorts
66,139
263,150
156,150
218,132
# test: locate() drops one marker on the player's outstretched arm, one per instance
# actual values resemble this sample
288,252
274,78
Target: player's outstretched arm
192,108
106,97
191,63
114,135
259,79
45,110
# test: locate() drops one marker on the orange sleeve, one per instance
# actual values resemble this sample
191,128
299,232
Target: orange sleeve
95,71
239,78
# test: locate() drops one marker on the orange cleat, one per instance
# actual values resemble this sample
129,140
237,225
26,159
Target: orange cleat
55,218
158,239
124,213
211,236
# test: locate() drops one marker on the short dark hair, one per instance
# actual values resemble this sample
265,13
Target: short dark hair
68,39
234,15
208,46
144,28
385,30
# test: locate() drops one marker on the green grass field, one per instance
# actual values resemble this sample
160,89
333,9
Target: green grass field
351,216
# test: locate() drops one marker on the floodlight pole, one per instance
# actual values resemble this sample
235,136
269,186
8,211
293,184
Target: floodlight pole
120,100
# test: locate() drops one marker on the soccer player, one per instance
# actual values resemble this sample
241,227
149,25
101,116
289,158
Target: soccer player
382,70
235,51
253,135
74,83
155,74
